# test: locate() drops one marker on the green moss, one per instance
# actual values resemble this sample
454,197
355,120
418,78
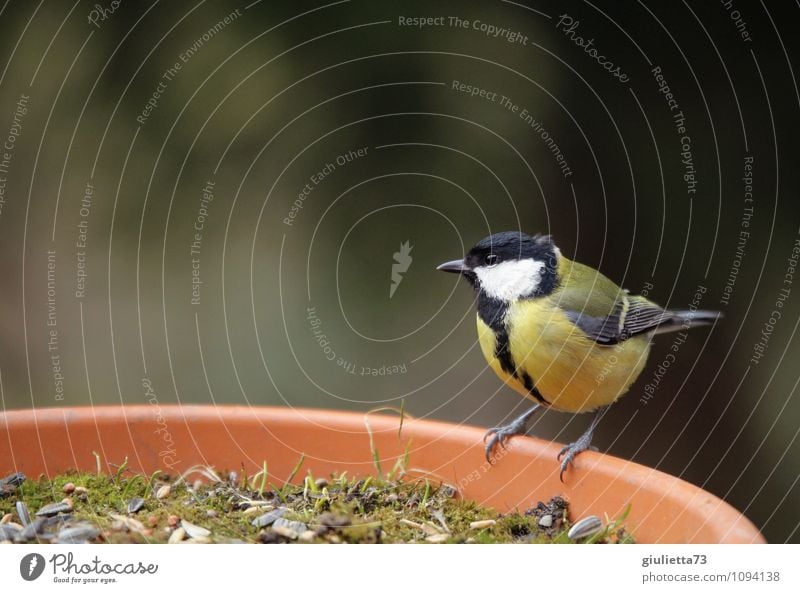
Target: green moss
338,509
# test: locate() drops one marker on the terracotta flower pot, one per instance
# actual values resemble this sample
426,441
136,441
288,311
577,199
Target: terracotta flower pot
664,509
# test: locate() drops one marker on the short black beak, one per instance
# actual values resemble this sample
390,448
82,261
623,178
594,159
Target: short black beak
456,266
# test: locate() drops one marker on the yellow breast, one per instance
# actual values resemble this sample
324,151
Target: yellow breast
572,372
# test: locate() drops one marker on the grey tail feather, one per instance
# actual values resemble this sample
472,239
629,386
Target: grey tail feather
680,320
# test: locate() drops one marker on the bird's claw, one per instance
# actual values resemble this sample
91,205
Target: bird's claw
499,434
569,453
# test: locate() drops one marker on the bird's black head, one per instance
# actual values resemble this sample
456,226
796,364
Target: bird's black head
510,265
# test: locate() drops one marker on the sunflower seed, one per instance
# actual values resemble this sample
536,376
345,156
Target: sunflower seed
78,534
8,532
135,505
482,524
194,531
31,530
163,492
546,521
295,526
438,538
15,480
56,522
22,513
269,518
49,510
585,527
177,536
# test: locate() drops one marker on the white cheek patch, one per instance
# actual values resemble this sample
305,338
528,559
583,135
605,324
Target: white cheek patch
510,280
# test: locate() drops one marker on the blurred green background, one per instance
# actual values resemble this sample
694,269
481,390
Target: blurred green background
254,169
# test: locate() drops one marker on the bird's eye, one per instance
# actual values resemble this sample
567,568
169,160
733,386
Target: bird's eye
491,259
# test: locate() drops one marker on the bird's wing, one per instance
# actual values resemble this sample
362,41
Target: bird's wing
631,317
601,309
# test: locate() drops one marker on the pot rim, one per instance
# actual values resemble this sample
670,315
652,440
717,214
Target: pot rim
453,452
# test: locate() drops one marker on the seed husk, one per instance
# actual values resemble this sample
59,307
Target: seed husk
269,518
482,524
439,516
135,505
295,526
13,480
50,510
194,531
129,523
430,529
307,536
262,504
332,520
177,536
437,538
23,513
8,532
163,492
284,531
546,521
78,534
31,530
409,523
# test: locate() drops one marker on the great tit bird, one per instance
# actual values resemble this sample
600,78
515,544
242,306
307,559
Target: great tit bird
559,332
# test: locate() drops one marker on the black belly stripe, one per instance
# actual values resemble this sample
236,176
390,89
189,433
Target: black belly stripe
502,351
533,390
493,314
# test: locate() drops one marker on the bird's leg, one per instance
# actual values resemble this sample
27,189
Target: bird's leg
500,434
583,443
